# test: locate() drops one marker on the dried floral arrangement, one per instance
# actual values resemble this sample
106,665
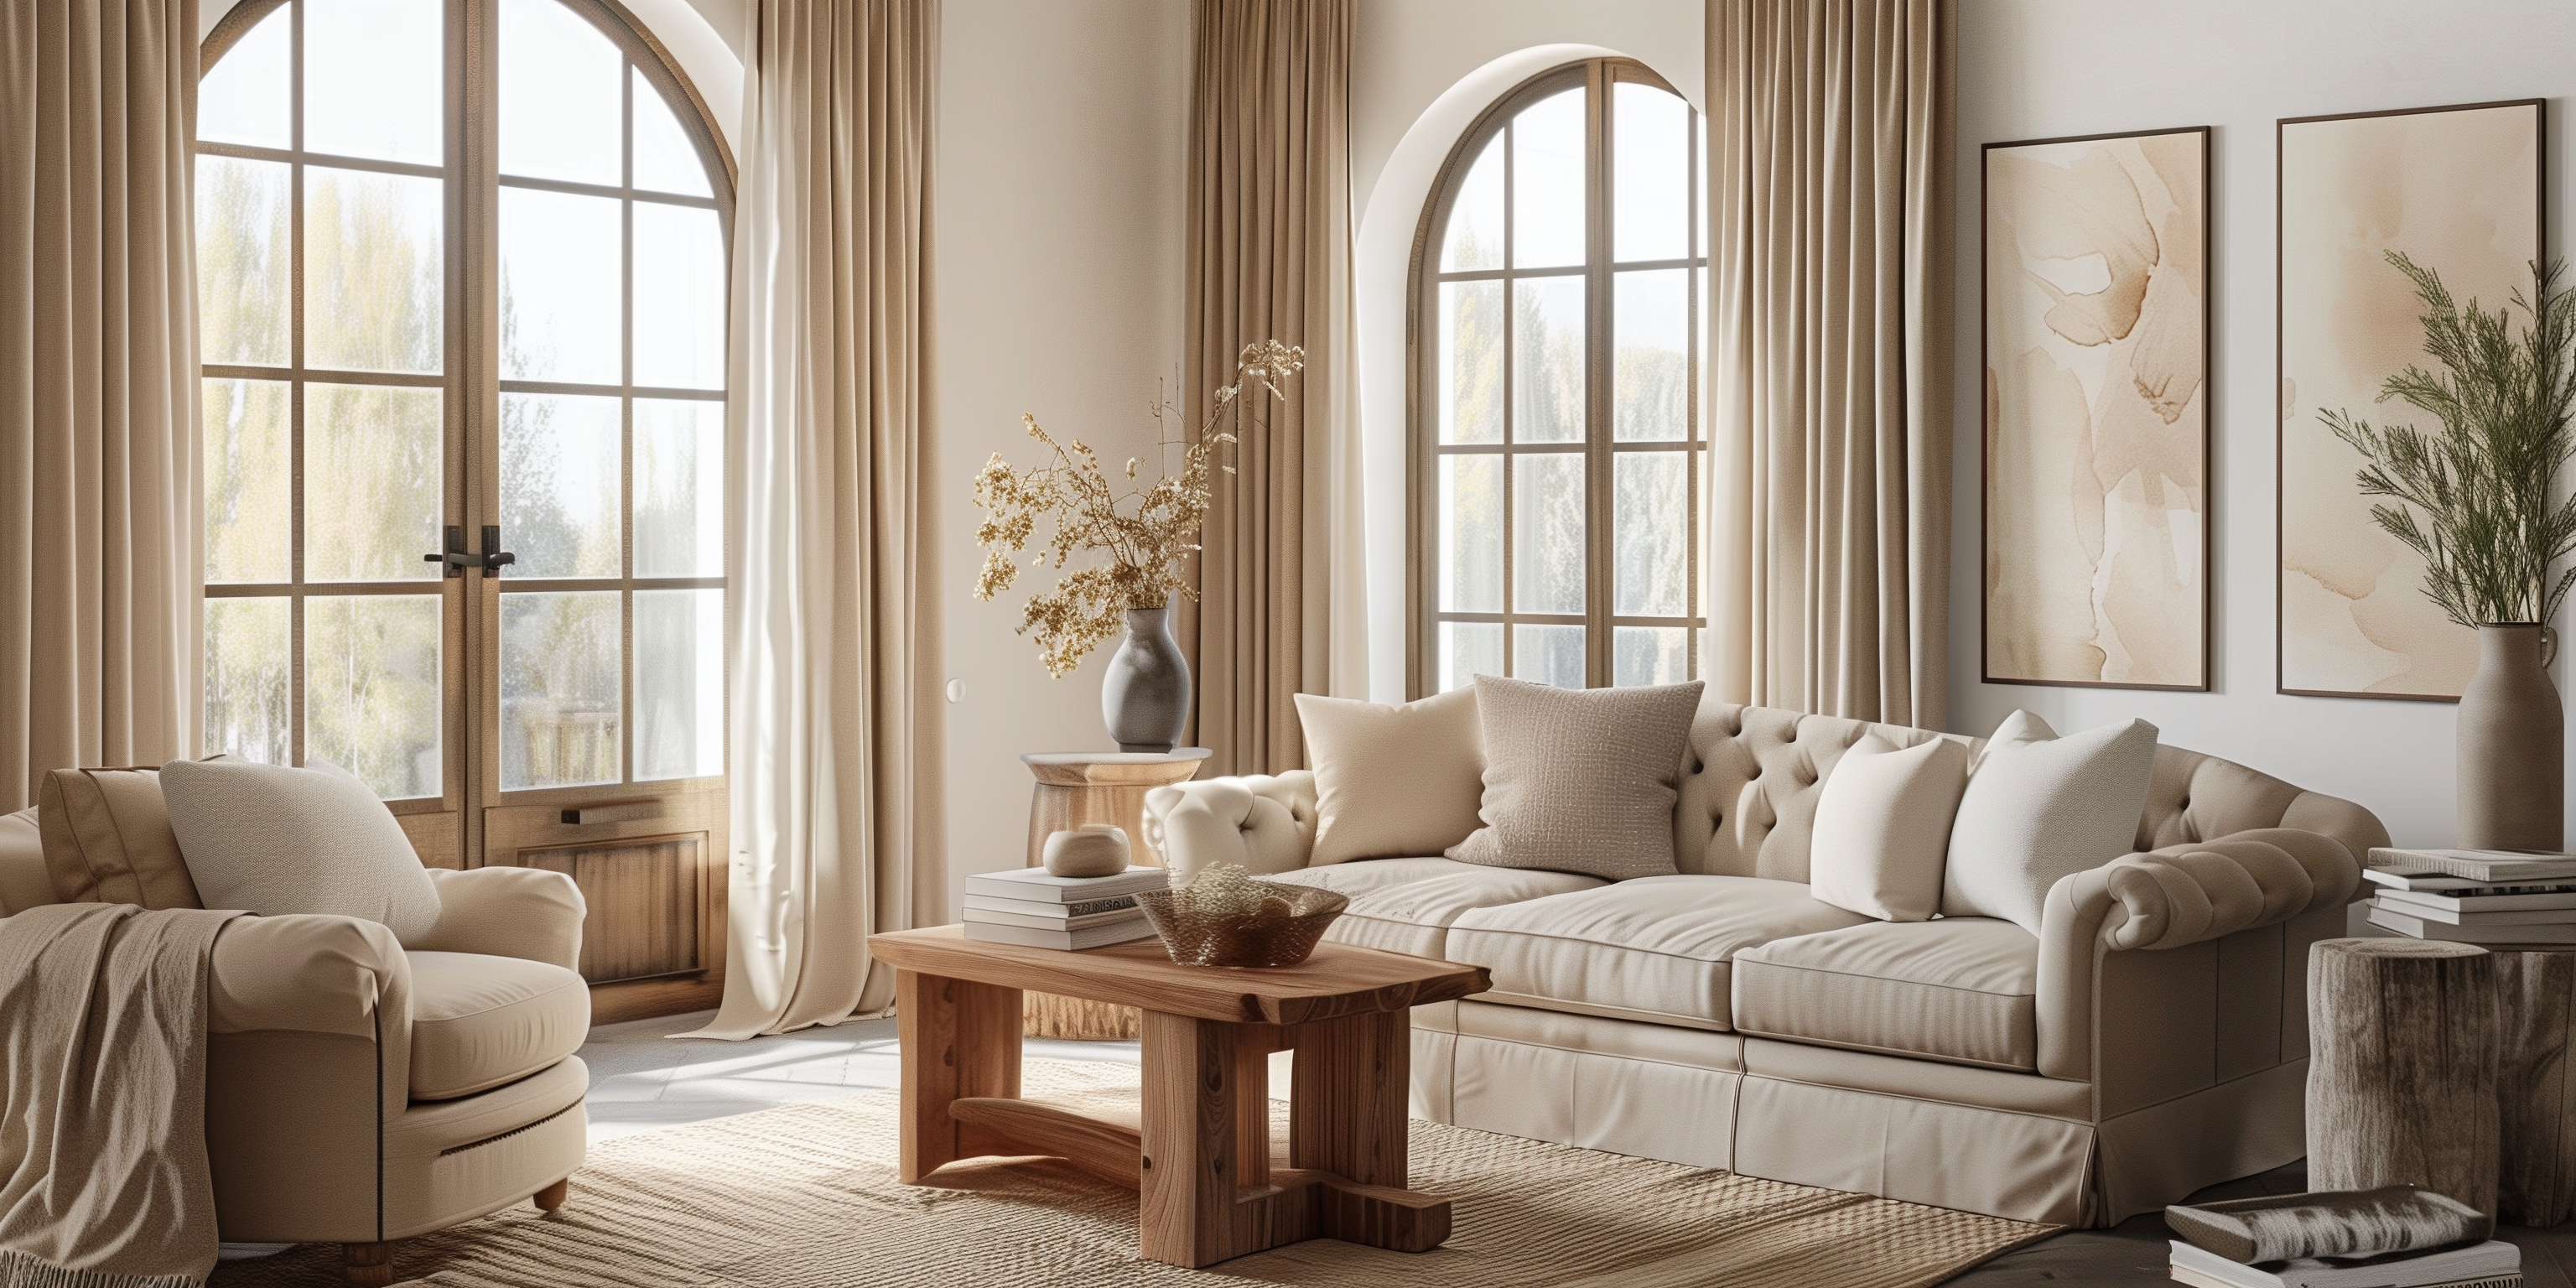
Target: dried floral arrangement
1145,533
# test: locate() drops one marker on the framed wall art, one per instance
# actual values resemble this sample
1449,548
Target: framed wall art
2458,190
2096,373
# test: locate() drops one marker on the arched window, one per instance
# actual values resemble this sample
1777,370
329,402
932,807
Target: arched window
1558,449
462,291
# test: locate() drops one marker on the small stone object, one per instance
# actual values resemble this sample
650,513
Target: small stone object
1091,850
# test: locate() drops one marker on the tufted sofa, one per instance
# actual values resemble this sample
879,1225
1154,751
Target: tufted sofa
2151,1040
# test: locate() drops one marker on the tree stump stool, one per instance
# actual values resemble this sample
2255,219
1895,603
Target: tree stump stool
2402,1067
2536,1098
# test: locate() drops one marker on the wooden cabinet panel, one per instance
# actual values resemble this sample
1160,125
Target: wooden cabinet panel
644,897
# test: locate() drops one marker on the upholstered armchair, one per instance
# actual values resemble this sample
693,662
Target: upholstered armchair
359,1092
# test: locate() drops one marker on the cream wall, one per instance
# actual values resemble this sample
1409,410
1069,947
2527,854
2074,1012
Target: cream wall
2046,68
1058,287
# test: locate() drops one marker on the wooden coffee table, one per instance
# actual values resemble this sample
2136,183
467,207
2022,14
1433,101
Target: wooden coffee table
1199,1152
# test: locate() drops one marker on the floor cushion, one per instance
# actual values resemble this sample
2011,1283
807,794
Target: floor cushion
479,1021
1408,905
1961,989
1655,948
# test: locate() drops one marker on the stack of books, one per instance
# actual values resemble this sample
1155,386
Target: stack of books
2396,1236
2491,1264
2474,896
1035,907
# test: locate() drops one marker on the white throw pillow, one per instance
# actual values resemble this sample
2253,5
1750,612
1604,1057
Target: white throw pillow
273,839
1393,782
1883,826
2040,807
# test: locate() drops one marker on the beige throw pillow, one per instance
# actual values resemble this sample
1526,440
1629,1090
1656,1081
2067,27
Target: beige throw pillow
273,839
2040,807
107,839
1392,782
1883,827
1580,780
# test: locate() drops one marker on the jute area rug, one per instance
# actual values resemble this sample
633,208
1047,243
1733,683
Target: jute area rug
805,1196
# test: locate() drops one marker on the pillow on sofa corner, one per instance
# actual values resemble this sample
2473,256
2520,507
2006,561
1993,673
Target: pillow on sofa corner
1883,828
2039,807
1392,782
107,839
273,840
1580,780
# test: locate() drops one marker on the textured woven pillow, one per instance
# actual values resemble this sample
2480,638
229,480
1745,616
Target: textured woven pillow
2040,807
1392,782
1580,780
273,839
1883,828
107,839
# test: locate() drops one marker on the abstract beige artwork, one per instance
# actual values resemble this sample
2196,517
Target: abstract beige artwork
2097,411
2458,190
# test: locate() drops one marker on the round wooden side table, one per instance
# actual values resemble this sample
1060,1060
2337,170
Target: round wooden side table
1078,787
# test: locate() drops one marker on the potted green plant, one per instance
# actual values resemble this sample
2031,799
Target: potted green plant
2476,500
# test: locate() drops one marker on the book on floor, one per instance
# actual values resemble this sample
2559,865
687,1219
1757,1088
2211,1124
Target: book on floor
2476,865
1046,887
1041,921
2479,933
1101,936
2492,1264
2479,901
2429,883
1048,907
2478,912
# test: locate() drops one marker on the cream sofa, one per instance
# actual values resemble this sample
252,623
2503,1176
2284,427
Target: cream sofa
2151,1040
358,1093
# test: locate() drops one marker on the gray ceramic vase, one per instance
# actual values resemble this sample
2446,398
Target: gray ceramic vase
1146,695
2512,786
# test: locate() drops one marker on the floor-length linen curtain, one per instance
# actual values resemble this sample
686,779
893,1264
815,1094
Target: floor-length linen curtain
1830,127
835,741
1269,251
101,566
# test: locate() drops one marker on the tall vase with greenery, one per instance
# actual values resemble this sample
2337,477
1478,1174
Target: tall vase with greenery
1121,553
2476,500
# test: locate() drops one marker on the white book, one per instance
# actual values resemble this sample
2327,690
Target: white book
2492,1264
2428,883
2476,865
2477,912
1050,908
1068,940
1046,887
2481,933
1040,921
2479,901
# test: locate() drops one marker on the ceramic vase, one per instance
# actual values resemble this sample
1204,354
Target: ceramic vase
1145,698
2512,788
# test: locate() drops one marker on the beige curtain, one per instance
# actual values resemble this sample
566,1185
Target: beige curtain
1830,127
100,559
835,747
1270,258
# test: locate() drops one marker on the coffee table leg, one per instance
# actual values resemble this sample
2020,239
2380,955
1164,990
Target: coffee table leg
959,1039
1206,1139
1347,1109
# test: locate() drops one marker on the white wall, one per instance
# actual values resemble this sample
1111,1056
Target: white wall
1058,287
2046,68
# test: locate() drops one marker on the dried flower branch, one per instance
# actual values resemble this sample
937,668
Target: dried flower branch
1145,533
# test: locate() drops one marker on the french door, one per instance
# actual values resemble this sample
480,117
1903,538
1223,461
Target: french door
462,306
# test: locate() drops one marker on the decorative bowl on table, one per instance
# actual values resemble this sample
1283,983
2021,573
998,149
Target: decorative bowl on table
1271,924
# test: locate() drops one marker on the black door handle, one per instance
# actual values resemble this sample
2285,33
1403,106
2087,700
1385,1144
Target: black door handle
492,559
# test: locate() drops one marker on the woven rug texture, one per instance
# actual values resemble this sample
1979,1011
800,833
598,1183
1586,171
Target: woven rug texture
805,1196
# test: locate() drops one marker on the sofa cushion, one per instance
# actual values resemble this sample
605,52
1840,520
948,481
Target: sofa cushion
1962,989
1580,780
1883,827
2040,807
273,839
478,1022
24,881
1408,905
108,840
1392,781
1657,947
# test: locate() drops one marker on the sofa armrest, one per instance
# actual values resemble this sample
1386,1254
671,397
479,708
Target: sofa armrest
2166,899
1264,822
301,977
529,913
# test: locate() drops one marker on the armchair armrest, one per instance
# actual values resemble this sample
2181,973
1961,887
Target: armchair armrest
2166,899
528,913
289,981
1264,822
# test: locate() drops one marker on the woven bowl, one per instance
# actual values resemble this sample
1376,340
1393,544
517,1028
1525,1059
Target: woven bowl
1283,933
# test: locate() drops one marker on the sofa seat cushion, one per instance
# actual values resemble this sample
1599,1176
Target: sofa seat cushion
1961,989
478,1022
1408,905
1656,948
